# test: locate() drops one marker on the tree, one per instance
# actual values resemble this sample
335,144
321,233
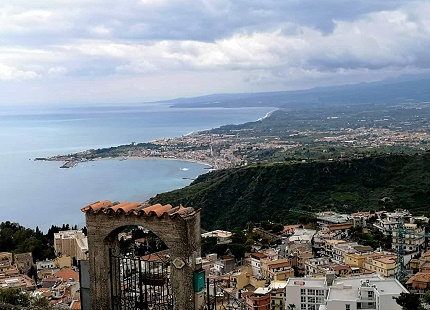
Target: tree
409,301
14,296
426,297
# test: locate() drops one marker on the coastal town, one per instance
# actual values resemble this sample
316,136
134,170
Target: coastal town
361,260
333,136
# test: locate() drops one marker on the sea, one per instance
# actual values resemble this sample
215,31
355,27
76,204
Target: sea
40,193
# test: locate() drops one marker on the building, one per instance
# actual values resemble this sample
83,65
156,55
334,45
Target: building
23,262
243,278
255,260
366,292
419,281
387,222
259,299
413,239
354,255
224,265
277,295
305,293
333,218
385,265
276,270
71,243
360,219
223,237
352,293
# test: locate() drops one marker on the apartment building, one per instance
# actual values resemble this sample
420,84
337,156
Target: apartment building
352,293
385,265
413,239
366,292
277,295
305,293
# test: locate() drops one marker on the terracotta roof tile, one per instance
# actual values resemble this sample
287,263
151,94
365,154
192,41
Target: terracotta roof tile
138,209
76,305
66,274
95,206
419,277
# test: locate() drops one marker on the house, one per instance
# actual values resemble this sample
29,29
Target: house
255,259
243,278
419,281
259,299
276,270
223,237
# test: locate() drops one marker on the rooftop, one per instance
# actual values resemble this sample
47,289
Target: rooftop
309,282
348,288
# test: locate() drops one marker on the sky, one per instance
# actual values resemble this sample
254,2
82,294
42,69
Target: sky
110,51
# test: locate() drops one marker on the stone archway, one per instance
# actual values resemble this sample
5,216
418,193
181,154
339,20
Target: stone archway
178,228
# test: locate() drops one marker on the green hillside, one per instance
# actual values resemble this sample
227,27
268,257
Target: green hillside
233,197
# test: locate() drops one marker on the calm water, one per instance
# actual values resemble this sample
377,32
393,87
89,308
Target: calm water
37,193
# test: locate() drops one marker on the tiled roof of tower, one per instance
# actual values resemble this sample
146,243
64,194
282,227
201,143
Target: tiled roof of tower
138,209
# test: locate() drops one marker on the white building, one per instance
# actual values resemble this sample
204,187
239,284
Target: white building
223,237
365,292
305,293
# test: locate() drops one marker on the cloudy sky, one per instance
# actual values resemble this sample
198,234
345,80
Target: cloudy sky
95,51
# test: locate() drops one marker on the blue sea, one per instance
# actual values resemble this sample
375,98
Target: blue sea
39,193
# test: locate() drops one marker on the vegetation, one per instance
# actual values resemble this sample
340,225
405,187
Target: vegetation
409,301
283,192
18,239
16,299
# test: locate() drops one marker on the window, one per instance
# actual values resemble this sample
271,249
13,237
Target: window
347,307
320,292
302,298
303,291
302,306
311,292
370,294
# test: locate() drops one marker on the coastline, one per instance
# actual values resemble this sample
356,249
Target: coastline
73,163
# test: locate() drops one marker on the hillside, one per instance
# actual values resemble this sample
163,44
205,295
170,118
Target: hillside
390,91
233,197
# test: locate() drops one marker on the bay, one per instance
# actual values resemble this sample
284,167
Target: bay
39,193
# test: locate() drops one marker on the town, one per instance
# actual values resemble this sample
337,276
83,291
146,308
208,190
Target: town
330,260
311,134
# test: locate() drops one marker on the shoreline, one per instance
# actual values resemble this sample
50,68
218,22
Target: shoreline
73,163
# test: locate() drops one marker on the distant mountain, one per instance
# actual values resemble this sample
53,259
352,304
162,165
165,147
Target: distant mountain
233,197
391,91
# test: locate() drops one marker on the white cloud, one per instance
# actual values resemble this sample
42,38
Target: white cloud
8,73
57,71
251,45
